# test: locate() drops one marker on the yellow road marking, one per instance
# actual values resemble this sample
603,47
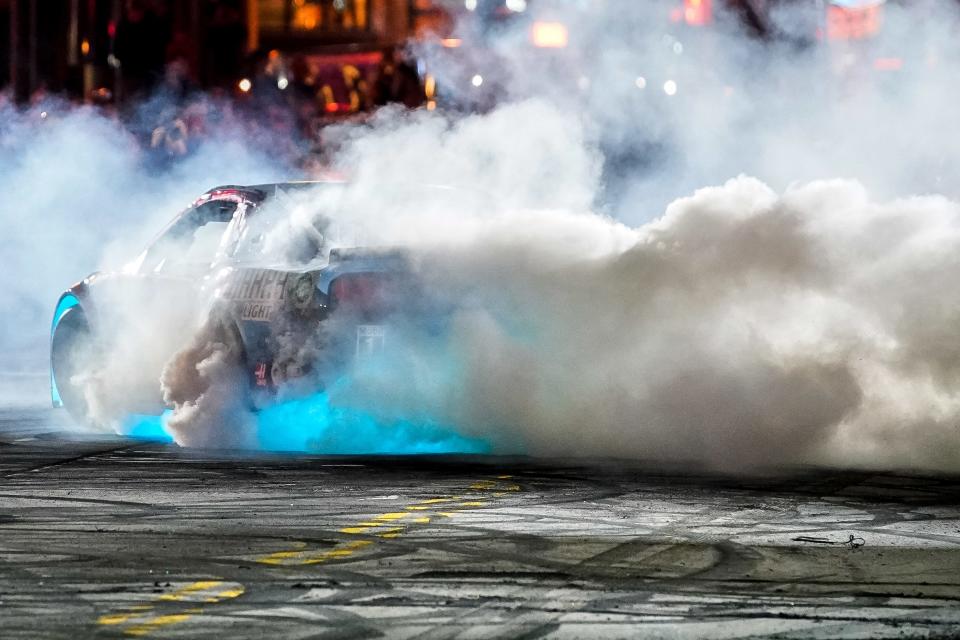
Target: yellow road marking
305,556
155,623
223,595
377,526
353,530
116,618
391,516
179,594
391,530
145,622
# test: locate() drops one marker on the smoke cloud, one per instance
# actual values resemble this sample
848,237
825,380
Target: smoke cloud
79,196
744,328
749,267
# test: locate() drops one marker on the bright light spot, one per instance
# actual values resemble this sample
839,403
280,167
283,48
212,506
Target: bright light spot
641,82
677,48
670,88
282,83
516,5
431,105
43,115
697,12
476,80
549,35
451,43
245,85
471,5
85,47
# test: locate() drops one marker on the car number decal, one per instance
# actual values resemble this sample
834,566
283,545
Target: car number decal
259,293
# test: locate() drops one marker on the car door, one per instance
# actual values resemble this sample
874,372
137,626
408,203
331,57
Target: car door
150,309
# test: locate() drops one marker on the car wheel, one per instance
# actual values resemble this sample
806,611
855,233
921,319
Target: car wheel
72,351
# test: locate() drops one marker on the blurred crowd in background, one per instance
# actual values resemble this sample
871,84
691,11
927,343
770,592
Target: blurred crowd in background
177,72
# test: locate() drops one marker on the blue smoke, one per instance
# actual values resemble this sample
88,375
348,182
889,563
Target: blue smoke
144,427
315,425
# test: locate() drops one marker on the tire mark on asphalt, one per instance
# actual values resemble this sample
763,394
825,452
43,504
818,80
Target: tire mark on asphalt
112,503
66,461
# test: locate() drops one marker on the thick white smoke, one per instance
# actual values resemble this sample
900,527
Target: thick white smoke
78,196
742,328
799,310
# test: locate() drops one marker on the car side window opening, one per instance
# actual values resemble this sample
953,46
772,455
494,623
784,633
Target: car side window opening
284,231
193,241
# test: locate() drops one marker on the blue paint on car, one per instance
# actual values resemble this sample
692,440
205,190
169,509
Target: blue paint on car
67,302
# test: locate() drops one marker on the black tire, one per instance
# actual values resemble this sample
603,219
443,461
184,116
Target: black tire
72,351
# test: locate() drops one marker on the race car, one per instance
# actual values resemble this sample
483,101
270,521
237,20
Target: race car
245,268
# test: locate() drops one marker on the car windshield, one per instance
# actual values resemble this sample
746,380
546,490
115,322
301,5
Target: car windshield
191,243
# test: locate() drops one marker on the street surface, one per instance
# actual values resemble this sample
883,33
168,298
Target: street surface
103,537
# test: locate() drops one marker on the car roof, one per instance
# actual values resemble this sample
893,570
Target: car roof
269,189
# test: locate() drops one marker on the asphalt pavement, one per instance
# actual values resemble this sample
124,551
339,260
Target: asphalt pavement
105,537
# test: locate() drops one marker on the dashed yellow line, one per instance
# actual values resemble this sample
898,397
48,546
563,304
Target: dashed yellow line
180,594
391,516
302,555
142,620
157,622
395,523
